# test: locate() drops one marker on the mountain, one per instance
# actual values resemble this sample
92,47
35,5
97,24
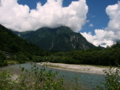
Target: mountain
57,39
13,47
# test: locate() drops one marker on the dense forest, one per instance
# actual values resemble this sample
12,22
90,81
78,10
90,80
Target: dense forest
94,56
14,48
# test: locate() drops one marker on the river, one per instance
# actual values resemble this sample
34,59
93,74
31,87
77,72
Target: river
86,79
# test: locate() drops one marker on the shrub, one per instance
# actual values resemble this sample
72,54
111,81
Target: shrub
34,79
112,80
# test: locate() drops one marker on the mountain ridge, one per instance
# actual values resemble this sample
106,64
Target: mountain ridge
57,39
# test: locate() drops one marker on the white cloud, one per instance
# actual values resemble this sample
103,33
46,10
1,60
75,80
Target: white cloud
87,21
100,38
113,11
91,25
111,33
20,18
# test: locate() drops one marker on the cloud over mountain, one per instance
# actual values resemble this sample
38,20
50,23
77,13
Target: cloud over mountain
111,33
52,14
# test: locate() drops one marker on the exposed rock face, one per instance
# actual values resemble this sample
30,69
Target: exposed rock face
58,39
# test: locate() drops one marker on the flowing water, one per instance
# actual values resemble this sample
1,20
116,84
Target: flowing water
87,80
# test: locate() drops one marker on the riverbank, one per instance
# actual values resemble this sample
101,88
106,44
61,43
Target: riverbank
77,68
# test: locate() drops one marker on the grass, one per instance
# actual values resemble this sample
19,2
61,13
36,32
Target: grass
11,62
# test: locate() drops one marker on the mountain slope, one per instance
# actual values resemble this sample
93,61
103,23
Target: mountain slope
57,39
16,48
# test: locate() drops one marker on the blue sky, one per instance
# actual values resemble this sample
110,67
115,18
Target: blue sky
97,20
96,14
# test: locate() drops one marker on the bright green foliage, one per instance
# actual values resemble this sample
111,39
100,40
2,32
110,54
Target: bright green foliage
41,79
34,79
5,80
112,80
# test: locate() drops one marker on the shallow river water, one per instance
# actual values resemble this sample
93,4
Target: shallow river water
87,80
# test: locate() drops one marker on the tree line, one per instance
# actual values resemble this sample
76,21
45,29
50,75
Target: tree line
94,56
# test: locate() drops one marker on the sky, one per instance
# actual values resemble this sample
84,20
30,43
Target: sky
97,20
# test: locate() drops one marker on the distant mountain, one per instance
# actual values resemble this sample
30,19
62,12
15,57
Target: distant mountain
57,39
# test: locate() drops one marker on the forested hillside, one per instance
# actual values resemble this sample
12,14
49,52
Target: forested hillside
12,47
61,39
